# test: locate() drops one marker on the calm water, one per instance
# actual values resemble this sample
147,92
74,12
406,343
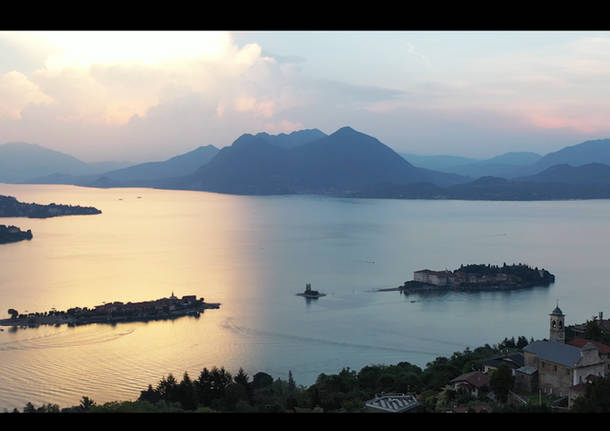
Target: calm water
252,254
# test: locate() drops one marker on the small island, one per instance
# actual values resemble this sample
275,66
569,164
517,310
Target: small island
114,312
308,293
13,234
477,277
11,207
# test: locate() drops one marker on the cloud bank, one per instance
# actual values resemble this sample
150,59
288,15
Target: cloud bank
144,96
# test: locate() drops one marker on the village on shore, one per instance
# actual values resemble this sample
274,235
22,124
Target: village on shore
113,312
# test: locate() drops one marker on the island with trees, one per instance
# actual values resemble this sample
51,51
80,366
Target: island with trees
477,277
13,234
113,312
11,207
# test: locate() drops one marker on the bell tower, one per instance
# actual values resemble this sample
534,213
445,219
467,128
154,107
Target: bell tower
557,329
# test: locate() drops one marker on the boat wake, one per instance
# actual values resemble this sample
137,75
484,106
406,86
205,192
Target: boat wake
65,338
250,332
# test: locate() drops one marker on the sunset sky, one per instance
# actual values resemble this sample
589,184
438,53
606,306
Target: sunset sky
143,96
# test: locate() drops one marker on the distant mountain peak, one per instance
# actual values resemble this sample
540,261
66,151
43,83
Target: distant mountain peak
287,141
347,129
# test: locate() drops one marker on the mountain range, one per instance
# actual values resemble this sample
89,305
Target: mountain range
519,164
335,164
344,163
21,161
505,165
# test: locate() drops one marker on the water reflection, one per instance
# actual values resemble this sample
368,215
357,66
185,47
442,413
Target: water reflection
252,254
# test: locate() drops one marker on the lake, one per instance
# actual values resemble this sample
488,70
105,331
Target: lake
253,254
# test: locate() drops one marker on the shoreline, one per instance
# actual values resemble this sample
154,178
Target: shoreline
113,313
426,287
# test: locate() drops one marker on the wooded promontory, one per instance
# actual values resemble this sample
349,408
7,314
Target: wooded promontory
11,207
13,234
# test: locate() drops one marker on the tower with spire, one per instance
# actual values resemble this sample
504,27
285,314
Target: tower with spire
557,328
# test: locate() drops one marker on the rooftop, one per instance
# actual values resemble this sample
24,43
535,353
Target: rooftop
553,351
527,370
429,271
511,360
581,342
557,311
393,403
475,378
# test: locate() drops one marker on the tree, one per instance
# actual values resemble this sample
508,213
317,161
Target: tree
203,387
149,395
445,397
368,378
521,342
187,394
167,388
48,408
501,381
86,403
14,313
592,330
596,397
261,380
241,378
291,383
220,381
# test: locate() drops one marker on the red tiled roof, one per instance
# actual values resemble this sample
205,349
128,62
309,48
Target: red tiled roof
475,378
580,342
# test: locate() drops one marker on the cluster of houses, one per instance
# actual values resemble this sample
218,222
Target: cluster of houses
456,278
553,366
507,275
117,310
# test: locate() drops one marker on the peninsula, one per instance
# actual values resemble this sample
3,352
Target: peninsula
13,234
114,312
477,277
11,207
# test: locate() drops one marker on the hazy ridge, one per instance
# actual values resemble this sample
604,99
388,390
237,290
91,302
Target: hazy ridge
344,163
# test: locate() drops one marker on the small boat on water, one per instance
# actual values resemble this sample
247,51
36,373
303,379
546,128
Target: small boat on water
309,293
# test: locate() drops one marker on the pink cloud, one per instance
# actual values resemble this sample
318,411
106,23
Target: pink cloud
283,127
584,121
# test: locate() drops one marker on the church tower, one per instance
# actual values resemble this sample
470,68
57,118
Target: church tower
557,330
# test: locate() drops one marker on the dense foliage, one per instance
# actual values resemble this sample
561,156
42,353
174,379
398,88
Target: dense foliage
596,398
13,234
217,390
523,272
11,207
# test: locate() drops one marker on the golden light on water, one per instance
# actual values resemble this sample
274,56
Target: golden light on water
252,254
121,255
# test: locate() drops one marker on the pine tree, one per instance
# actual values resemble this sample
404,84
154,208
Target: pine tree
187,394
291,383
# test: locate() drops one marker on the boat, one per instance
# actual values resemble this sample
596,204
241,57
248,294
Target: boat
309,293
